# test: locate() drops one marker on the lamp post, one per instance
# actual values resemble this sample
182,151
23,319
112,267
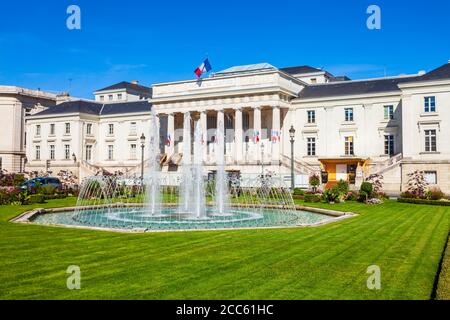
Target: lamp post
142,156
292,136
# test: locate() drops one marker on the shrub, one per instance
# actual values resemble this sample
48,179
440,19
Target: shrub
299,192
365,191
424,201
352,196
36,198
47,190
434,193
343,187
331,195
312,197
314,181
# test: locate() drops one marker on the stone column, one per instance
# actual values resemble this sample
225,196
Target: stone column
238,140
204,126
257,130
219,125
170,134
275,134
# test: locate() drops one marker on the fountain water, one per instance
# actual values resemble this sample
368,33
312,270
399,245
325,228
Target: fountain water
221,183
197,169
152,179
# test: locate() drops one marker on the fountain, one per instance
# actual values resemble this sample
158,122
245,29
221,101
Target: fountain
152,179
155,204
221,185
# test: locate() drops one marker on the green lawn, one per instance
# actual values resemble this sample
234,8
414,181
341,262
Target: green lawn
326,262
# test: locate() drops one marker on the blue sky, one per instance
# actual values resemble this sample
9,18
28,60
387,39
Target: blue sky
158,41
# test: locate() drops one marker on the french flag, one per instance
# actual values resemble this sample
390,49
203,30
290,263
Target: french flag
168,140
203,68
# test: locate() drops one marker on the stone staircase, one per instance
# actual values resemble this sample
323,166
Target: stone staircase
299,165
388,164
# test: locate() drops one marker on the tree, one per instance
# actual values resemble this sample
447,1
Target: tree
416,185
314,181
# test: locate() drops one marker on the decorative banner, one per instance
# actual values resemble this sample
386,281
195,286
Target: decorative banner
169,140
256,137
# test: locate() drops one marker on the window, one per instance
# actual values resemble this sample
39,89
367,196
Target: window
348,114
389,145
311,116
119,96
38,129
88,153
38,152
67,151
52,152
430,141
133,149
110,128
430,177
430,104
349,146
133,128
52,128
89,128
311,145
388,112
313,80
110,152
110,97
67,127
102,98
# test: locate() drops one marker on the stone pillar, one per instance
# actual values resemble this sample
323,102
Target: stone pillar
204,126
257,131
238,140
219,125
170,139
275,134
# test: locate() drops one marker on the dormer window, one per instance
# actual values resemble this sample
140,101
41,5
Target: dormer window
119,96
110,97
313,80
102,98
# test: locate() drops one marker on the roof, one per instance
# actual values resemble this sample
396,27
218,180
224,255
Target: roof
440,73
127,85
247,68
346,88
300,70
95,108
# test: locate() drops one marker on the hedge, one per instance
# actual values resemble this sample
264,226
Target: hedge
313,197
424,201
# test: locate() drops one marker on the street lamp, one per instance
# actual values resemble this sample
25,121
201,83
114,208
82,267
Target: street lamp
292,136
142,156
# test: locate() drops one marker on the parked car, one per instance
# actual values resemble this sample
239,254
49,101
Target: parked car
48,181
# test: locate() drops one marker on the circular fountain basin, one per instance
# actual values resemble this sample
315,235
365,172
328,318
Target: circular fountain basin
170,219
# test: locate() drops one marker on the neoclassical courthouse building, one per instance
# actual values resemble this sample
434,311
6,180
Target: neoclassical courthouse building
344,129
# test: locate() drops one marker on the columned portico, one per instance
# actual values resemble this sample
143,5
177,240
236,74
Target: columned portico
257,131
238,140
170,143
275,134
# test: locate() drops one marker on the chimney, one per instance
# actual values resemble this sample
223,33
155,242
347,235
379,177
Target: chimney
135,82
62,97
